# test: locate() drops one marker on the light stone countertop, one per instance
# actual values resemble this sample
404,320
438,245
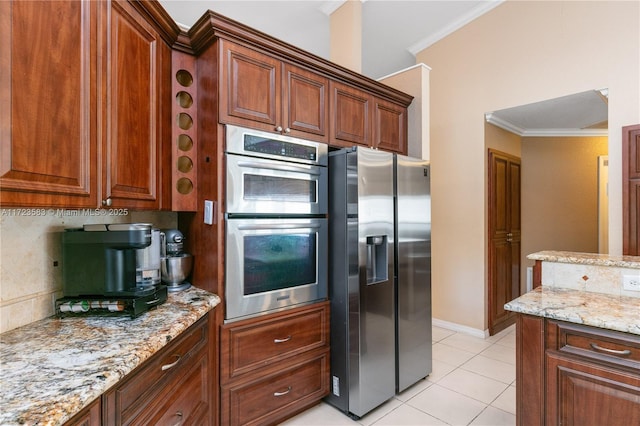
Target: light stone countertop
594,259
620,313
53,368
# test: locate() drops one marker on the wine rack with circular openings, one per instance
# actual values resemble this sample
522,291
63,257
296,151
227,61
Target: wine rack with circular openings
184,134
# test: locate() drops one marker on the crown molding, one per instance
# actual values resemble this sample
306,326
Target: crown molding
543,133
483,8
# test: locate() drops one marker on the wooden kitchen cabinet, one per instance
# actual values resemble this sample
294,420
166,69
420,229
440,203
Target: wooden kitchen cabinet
136,167
89,416
572,374
175,386
86,85
359,118
262,92
274,366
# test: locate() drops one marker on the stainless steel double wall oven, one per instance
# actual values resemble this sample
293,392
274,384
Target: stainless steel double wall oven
276,222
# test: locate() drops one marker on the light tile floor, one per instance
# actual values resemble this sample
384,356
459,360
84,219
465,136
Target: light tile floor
472,383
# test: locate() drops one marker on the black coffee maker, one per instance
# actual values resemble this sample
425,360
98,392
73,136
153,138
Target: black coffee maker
99,270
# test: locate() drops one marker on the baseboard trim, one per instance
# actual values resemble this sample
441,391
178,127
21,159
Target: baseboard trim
483,334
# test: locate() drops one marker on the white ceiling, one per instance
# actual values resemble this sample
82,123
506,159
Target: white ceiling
393,31
580,114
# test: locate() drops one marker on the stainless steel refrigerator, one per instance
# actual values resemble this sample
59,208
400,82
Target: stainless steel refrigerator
380,276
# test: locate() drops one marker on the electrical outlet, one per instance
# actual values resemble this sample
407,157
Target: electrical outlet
336,386
631,282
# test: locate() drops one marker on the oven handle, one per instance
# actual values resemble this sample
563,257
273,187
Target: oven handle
258,165
277,226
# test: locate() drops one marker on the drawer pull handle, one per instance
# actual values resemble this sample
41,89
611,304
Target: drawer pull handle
179,416
625,352
286,339
173,364
282,393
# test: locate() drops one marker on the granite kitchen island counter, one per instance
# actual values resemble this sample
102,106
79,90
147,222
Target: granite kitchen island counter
53,368
620,313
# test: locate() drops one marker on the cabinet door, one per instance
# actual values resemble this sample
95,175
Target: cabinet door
305,112
390,126
250,87
351,114
185,400
139,85
582,394
89,416
631,190
48,126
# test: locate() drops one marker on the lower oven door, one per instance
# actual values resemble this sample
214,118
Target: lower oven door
273,264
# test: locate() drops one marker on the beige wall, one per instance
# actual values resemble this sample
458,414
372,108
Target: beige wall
518,53
345,42
415,82
29,246
560,194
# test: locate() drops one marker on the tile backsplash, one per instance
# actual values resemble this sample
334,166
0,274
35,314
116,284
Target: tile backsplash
30,257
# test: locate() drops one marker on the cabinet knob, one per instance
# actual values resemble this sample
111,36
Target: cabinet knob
287,130
279,129
107,202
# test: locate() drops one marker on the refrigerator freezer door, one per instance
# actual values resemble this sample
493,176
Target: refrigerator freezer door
373,382
413,227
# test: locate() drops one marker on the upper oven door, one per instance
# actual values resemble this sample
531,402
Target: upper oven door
255,143
258,186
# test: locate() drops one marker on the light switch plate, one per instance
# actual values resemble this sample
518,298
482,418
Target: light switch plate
208,212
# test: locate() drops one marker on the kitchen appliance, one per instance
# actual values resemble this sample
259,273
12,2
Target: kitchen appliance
276,225
380,281
271,174
100,267
175,264
148,261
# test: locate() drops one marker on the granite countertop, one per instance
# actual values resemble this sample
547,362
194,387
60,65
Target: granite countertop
620,313
594,259
53,368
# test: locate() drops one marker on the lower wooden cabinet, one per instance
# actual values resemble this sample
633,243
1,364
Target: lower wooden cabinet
174,387
570,374
89,416
274,366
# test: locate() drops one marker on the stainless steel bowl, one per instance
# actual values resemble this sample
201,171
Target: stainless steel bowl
176,269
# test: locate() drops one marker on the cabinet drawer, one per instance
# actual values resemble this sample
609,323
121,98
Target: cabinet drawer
273,397
185,400
256,343
144,383
610,347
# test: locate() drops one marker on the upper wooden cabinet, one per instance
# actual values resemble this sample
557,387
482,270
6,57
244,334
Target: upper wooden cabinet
260,91
389,126
86,85
359,118
49,87
136,154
